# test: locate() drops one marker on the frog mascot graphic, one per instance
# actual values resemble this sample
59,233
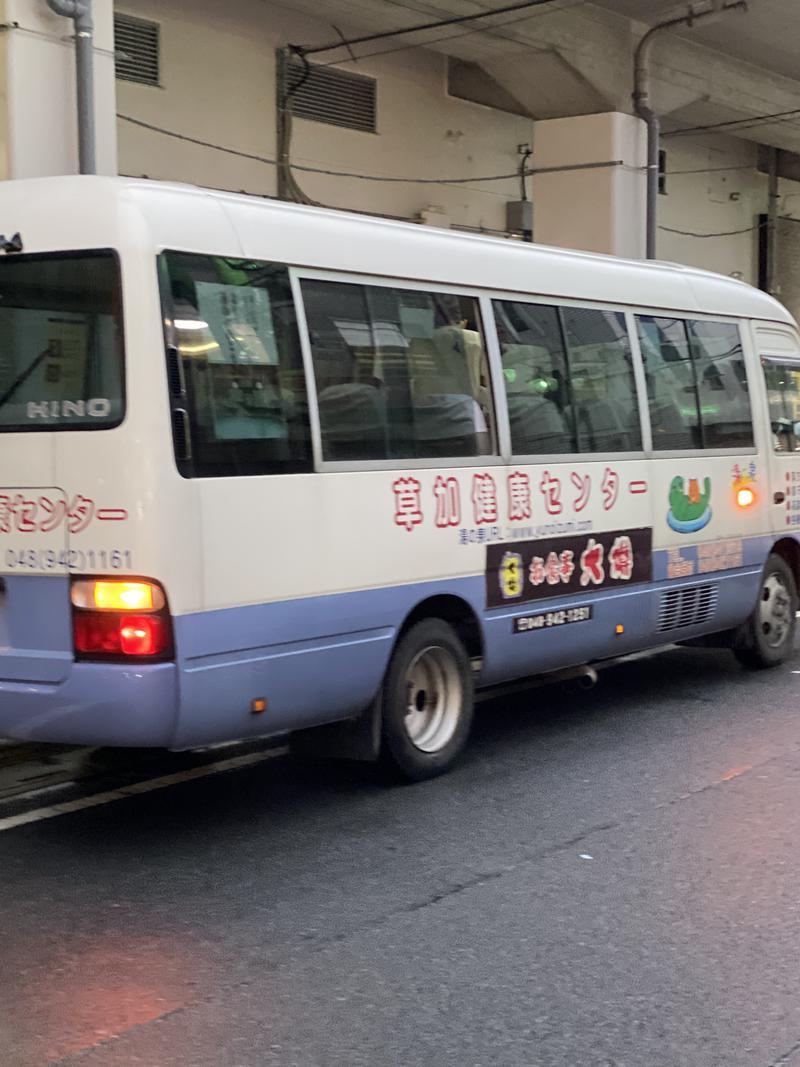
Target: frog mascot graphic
689,508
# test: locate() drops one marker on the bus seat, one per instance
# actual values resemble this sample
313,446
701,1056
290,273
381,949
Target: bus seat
353,421
537,426
451,425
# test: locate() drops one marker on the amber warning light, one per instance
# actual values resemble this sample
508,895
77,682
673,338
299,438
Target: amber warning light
745,497
120,619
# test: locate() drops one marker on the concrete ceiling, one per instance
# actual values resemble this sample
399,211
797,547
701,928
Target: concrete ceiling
585,48
767,35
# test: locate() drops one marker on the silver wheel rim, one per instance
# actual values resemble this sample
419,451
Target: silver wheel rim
775,610
434,697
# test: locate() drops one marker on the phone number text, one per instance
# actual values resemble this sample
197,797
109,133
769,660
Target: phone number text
546,619
72,559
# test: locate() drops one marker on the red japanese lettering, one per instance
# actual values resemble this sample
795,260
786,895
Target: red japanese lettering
592,563
448,501
407,503
551,491
519,496
484,498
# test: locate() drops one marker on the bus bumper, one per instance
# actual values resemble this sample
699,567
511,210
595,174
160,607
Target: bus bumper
97,704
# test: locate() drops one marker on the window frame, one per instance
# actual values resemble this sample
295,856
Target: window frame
86,253
180,403
297,275
748,355
636,361
485,297
785,360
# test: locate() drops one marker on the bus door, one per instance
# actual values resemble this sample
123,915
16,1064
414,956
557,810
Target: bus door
779,350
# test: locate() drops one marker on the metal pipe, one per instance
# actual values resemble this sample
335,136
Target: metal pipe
80,11
772,222
641,102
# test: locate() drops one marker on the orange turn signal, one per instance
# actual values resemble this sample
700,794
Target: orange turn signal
117,595
745,497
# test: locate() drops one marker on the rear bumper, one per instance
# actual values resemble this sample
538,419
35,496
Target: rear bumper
98,704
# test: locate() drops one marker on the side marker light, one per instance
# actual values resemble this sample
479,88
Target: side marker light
745,497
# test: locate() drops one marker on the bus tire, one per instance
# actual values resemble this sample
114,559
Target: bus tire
426,702
766,638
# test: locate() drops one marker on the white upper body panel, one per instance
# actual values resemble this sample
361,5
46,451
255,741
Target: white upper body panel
85,212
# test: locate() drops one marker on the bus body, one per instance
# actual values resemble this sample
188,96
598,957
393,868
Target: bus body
290,437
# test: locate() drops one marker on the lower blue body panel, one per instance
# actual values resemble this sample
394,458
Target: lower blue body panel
320,659
98,704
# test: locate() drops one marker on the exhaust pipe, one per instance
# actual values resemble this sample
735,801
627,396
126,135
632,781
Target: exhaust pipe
581,678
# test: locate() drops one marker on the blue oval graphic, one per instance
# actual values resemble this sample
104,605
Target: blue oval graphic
690,525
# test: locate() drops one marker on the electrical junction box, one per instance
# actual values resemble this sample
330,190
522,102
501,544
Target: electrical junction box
519,216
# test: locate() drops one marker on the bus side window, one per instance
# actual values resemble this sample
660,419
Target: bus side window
535,371
696,383
569,379
671,391
233,324
783,393
721,384
603,385
410,379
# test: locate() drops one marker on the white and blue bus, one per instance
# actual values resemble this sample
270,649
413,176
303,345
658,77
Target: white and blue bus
267,468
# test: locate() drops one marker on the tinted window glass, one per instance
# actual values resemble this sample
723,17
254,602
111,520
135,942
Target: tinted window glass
535,370
61,343
671,390
569,379
721,384
696,384
601,375
783,392
399,373
234,326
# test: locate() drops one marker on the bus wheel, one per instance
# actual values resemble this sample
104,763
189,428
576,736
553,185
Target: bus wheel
426,701
767,637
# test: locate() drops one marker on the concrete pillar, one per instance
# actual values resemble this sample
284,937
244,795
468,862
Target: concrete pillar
38,111
595,209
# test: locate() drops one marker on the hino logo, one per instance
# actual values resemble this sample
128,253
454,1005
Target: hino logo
97,408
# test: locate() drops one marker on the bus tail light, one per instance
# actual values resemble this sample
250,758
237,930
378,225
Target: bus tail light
120,619
116,594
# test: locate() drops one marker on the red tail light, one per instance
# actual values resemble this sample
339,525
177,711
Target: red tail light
113,634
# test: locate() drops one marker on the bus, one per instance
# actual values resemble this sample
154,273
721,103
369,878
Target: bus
274,469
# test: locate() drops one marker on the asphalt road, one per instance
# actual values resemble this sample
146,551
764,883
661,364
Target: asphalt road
608,880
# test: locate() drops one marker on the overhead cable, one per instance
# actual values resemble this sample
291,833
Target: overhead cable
365,177
734,124
723,233
493,32
454,20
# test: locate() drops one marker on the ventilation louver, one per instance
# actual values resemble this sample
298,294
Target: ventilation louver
136,50
330,95
685,607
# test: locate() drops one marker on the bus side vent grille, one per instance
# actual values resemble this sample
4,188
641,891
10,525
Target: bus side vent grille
136,50
325,94
180,434
691,606
174,371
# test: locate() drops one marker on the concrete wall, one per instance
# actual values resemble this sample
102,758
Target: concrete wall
713,187
218,84
596,209
37,76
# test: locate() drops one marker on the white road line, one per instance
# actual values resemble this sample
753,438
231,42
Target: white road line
147,786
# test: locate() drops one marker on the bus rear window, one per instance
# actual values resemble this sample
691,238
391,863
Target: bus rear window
61,348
